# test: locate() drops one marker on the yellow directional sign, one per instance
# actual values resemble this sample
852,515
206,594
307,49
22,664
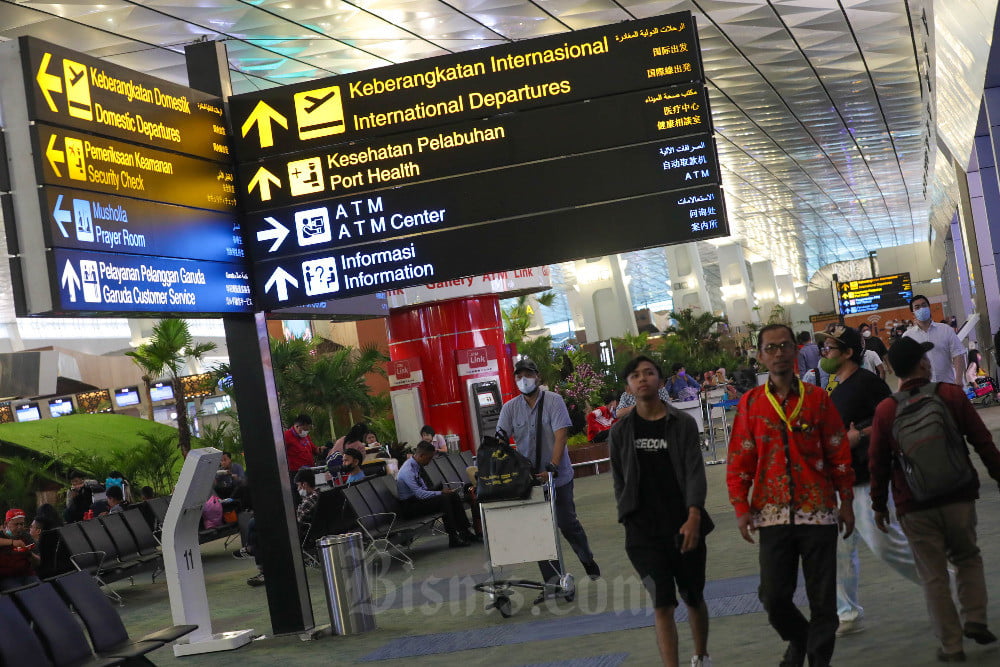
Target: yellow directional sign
77,90
319,112
263,179
54,155
261,116
49,83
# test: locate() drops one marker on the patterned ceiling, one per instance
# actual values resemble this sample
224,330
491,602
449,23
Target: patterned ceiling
825,110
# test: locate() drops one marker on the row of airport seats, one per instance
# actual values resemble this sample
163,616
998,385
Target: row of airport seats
115,546
44,624
373,505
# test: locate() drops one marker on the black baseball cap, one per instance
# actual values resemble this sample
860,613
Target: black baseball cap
525,364
905,354
846,337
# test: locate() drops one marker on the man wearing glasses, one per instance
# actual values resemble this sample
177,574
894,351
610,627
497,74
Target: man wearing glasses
856,393
789,445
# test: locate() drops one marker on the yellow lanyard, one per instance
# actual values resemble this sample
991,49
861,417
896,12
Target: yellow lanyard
780,410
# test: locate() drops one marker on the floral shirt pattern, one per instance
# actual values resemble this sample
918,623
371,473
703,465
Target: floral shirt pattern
795,475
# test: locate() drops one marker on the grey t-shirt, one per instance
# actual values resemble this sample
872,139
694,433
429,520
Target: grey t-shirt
519,422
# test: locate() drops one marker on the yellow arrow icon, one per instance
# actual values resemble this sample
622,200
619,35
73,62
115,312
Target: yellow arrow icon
261,116
49,83
55,156
263,180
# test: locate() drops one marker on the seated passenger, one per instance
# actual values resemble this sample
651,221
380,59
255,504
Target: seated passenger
79,498
599,421
116,500
351,466
427,434
417,499
681,386
18,556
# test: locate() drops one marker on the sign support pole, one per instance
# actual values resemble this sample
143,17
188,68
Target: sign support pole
260,424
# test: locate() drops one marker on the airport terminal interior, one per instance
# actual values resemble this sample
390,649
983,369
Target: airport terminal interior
850,164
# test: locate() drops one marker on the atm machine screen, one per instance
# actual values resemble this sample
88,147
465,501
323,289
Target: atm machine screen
487,406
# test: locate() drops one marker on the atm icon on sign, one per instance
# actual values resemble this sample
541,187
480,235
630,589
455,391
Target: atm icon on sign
321,276
319,112
313,226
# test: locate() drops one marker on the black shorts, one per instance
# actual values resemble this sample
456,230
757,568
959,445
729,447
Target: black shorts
665,571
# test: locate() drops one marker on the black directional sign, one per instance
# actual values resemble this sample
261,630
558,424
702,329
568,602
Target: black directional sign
546,71
521,190
75,90
510,139
640,222
76,160
868,294
109,223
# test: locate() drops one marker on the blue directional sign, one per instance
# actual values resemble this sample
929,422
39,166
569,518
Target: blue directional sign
692,214
109,223
116,283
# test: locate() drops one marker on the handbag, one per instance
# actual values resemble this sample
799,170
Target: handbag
504,473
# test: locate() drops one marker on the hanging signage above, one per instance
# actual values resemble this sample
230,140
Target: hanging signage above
71,89
546,71
477,145
640,222
868,294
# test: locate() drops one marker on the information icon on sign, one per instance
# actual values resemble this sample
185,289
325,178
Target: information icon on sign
319,112
313,226
91,281
305,176
320,276
83,220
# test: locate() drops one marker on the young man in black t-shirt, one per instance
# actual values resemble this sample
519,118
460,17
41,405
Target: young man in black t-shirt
856,394
660,487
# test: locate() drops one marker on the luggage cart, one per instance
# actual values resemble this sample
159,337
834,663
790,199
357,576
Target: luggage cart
517,532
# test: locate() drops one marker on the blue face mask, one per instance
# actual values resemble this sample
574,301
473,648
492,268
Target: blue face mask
112,481
922,314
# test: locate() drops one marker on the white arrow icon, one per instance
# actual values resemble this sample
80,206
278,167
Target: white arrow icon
281,279
61,216
277,233
70,280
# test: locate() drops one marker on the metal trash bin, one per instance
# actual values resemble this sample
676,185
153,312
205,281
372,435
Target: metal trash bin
348,597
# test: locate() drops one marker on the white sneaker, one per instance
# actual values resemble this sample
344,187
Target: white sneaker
851,627
701,661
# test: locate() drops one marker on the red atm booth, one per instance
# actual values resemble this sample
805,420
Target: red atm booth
449,366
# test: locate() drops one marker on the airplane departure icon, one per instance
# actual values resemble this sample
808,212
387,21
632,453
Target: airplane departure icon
75,76
313,102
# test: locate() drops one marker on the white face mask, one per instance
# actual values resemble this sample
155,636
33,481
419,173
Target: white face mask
922,314
866,333
303,433
303,493
526,384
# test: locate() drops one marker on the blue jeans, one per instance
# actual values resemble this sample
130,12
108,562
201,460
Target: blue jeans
571,529
892,548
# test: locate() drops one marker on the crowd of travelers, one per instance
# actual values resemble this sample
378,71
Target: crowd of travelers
823,456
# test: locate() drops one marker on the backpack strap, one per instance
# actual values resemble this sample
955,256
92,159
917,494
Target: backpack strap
538,431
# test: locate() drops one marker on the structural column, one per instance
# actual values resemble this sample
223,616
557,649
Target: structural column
432,334
687,278
736,289
606,305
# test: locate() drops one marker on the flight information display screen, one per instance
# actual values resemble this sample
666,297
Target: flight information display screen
868,294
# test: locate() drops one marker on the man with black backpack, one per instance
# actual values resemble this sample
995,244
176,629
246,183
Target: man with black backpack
918,441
